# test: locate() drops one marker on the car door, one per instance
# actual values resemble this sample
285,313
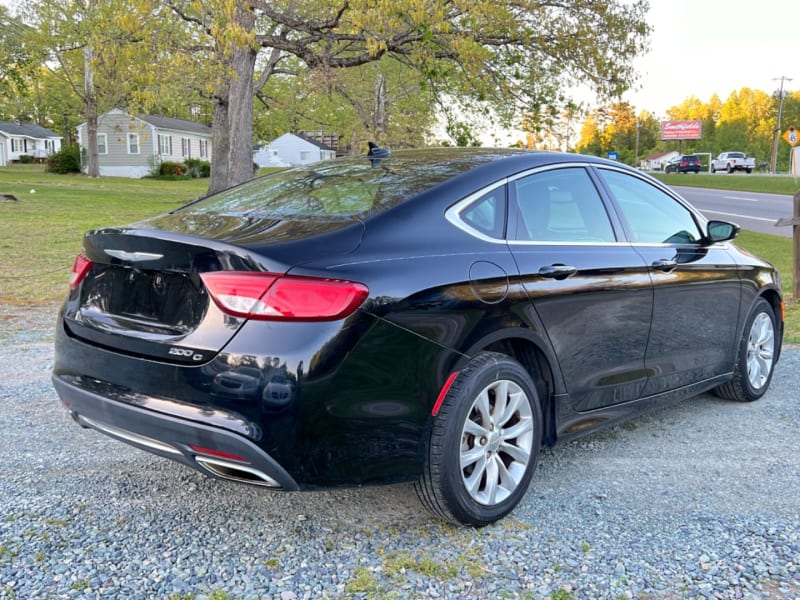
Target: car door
591,292
696,285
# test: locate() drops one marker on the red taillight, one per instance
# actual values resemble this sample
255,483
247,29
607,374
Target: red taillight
283,297
80,268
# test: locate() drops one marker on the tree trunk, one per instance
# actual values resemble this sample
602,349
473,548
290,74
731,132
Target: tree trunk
232,130
219,142
90,107
380,121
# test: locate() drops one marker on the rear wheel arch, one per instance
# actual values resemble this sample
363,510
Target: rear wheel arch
540,364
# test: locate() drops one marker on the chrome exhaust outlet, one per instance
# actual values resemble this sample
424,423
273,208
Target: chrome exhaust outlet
236,472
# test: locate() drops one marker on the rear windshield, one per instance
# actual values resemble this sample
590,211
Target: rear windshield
341,189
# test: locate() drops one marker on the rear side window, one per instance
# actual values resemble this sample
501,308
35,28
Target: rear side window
487,214
651,215
561,205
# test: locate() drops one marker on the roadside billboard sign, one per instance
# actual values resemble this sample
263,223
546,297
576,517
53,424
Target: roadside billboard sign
681,130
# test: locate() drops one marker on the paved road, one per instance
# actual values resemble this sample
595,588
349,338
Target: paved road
750,210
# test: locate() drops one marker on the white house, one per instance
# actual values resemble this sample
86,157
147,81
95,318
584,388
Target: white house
26,139
292,149
657,161
130,146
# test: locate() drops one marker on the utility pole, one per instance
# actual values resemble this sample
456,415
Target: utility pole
773,163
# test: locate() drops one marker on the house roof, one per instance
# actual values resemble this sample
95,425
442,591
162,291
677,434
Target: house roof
173,123
30,130
310,140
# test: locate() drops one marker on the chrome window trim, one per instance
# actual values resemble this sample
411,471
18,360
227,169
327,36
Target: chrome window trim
453,214
565,243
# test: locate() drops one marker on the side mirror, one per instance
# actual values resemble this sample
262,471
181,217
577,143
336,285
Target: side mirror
721,231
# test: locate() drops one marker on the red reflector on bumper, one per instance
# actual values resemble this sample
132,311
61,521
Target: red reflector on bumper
443,393
218,454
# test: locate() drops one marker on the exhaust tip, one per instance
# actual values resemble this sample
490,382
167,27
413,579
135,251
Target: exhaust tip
236,472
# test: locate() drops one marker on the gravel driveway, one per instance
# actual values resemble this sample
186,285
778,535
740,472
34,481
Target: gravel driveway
700,499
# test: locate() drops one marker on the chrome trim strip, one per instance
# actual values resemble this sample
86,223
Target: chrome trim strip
129,436
133,256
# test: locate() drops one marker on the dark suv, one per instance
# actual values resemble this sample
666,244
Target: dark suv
688,163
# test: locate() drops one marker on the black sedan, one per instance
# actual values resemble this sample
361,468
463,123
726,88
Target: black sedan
435,316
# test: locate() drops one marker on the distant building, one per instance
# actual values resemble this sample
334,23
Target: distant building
656,162
292,149
26,139
129,146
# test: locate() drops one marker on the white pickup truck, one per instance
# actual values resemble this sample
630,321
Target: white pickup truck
733,161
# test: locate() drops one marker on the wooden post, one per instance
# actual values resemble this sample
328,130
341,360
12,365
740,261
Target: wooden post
796,247
794,221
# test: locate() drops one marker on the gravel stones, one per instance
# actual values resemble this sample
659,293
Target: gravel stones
698,499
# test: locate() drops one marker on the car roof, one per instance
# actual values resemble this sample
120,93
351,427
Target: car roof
361,187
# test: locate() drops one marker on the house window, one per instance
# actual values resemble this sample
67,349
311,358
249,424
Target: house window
165,144
102,143
133,143
203,148
305,155
186,147
18,145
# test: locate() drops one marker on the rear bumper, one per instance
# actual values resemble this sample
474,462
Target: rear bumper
212,450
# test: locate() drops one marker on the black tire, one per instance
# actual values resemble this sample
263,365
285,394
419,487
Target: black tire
503,463
713,170
729,169
755,359
748,171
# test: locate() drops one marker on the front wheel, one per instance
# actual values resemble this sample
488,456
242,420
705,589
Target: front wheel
713,170
484,443
755,361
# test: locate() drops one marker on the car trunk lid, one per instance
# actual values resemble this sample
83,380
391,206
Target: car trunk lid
143,293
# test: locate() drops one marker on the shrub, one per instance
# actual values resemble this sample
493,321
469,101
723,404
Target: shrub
172,168
198,167
26,159
66,160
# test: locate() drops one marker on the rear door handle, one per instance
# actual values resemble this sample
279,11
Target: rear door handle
664,264
557,271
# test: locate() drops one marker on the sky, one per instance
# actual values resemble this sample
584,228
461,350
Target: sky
702,47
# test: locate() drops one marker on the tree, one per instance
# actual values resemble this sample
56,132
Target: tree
746,122
16,63
512,54
381,101
107,53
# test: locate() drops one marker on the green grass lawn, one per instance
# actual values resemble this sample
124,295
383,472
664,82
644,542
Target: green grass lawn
40,234
741,182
